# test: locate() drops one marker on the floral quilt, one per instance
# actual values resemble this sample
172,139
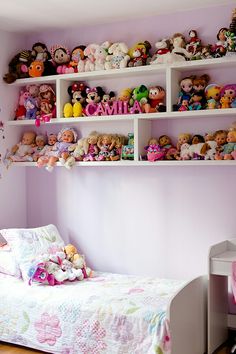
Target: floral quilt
106,314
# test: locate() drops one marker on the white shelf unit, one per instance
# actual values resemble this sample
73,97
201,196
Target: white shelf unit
144,126
221,256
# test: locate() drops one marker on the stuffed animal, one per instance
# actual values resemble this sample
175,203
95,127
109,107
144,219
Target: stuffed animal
36,69
163,47
94,96
77,153
31,108
77,93
89,63
117,56
179,44
77,260
140,94
100,55
21,111
40,53
139,54
18,67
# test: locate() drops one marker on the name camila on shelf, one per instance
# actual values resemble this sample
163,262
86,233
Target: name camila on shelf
113,108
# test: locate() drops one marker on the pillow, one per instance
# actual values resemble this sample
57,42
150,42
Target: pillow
8,264
28,244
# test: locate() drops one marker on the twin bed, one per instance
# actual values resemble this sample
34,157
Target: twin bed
105,314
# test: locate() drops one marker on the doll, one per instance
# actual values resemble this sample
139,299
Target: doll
220,137
117,151
61,58
194,44
183,145
90,147
229,147
219,49
228,96
24,149
139,54
106,144
45,153
165,143
154,150
199,85
156,98
40,142
77,54
212,94
46,92
66,137
186,85
21,110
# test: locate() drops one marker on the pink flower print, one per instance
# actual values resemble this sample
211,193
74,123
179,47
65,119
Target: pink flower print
48,329
122,329
135,290
91,337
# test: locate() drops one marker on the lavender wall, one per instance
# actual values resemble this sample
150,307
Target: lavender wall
157,221
12,184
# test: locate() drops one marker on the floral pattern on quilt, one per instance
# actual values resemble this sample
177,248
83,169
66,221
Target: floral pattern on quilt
106,314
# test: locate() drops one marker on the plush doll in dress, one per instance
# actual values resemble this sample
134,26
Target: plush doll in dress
60,151
23,151
77,54
61,58
154,150
106,144
90,147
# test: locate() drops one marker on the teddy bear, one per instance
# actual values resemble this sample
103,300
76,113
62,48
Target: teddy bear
77,93
117,57
77,153
77,260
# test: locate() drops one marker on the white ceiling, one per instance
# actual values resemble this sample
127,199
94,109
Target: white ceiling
30,15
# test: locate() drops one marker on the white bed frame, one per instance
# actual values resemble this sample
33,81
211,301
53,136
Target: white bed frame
187,314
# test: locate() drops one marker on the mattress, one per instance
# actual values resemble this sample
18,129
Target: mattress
106,314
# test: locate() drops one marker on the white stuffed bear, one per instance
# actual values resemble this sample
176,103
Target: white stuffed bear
100,54
77,153
117,56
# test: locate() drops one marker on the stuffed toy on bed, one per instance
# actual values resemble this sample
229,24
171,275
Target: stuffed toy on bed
54,269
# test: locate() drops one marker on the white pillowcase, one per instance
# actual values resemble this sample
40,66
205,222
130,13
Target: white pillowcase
8,264
28,244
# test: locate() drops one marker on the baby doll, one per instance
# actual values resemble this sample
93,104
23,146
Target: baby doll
183,145
117,151
40,142
154,150
46,152
220,137
167,146
90,147
66,137
229,147
24,149
106,144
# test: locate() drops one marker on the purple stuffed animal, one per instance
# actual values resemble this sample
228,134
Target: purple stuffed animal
31,108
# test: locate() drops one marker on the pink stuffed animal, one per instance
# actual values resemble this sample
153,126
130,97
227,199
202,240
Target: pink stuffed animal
89,63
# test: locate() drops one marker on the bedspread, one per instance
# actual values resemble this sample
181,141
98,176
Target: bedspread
106,314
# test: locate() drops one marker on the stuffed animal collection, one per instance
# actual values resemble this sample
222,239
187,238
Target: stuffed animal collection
196,93
66,148
54,269
221,145
36,102
86,101
105,56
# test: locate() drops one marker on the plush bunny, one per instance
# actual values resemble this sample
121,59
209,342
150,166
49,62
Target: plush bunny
100,54
117,56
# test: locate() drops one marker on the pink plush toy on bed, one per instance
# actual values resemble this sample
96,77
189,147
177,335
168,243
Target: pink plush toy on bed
39,274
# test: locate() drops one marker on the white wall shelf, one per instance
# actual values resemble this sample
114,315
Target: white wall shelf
143,125
149,116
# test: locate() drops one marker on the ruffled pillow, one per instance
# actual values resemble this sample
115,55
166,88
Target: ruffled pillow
28,244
